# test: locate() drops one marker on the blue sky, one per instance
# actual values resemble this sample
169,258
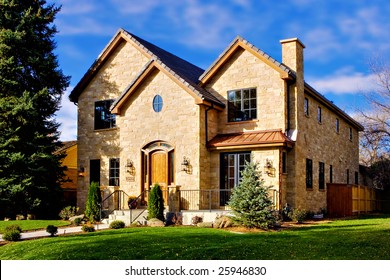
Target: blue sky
341,37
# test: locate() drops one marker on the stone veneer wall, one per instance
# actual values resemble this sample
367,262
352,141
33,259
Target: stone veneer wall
244,70
321,143
116,73
177,124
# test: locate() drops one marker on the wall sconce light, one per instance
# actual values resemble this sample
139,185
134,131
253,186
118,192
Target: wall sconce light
130,167
269,168
81,171
186,166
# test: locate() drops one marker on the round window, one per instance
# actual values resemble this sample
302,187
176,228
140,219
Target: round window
157,103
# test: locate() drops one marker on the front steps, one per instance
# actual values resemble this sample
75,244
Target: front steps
185,216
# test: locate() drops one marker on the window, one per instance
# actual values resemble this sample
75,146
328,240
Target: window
321,176
331,174
284,162
103,117
350,133
94,171
319,114
231,166
309,173
337,125
306,107
242,105
113,179
356,178
157,103
347,176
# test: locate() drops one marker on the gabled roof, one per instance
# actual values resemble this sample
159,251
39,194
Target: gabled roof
240,43
197,92
66,145
185,71
259,138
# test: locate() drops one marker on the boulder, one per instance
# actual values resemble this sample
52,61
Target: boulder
71,219
155,223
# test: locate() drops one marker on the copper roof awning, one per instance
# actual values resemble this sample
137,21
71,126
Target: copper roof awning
252,139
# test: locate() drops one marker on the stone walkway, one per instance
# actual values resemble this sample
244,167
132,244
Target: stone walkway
61,231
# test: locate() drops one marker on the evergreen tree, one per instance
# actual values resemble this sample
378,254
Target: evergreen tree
31,86
92,207
250,200
156,204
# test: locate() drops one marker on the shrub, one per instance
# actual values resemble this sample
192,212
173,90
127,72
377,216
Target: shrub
68,211
205,225
78,221
196,220
52,230
92,207
12,233
117,224
156,204
250,202
88,228
298,215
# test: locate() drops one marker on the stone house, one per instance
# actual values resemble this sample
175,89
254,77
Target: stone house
146,116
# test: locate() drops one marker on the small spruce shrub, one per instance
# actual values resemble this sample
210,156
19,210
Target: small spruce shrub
52,230
250,201
117,224
156,204
12,233
88,228
67,212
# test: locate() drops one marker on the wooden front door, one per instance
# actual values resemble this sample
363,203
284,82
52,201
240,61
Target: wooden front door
159,172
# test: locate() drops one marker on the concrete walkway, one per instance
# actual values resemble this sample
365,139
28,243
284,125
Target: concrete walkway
61,231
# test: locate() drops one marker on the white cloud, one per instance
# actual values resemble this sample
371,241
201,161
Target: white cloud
342,83
67,117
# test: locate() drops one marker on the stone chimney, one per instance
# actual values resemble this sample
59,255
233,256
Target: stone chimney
292,55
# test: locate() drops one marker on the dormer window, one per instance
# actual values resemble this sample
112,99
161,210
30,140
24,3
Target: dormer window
242,105
103,117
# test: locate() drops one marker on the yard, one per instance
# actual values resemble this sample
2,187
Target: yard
355,239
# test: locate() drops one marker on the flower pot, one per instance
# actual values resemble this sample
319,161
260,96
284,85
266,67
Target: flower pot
133,204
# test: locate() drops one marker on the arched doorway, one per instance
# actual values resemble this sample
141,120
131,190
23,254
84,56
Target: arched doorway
158,167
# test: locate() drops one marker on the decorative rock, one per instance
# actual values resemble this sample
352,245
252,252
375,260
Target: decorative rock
71,219
155,223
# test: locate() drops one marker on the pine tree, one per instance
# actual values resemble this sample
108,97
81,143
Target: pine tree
31,86
94,199
156,204
250,201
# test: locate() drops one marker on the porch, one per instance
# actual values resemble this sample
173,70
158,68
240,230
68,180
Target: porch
179,204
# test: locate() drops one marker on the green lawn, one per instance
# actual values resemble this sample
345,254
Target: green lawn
365,239
27,225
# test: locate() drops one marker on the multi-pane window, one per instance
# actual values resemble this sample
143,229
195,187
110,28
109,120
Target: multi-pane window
309,173
103,117
337,125
321,176
319,114
114,172
306,107
242,105
232,164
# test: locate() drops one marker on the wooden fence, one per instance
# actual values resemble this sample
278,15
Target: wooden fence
347,200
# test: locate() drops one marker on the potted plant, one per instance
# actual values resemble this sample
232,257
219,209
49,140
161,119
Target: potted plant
132,202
